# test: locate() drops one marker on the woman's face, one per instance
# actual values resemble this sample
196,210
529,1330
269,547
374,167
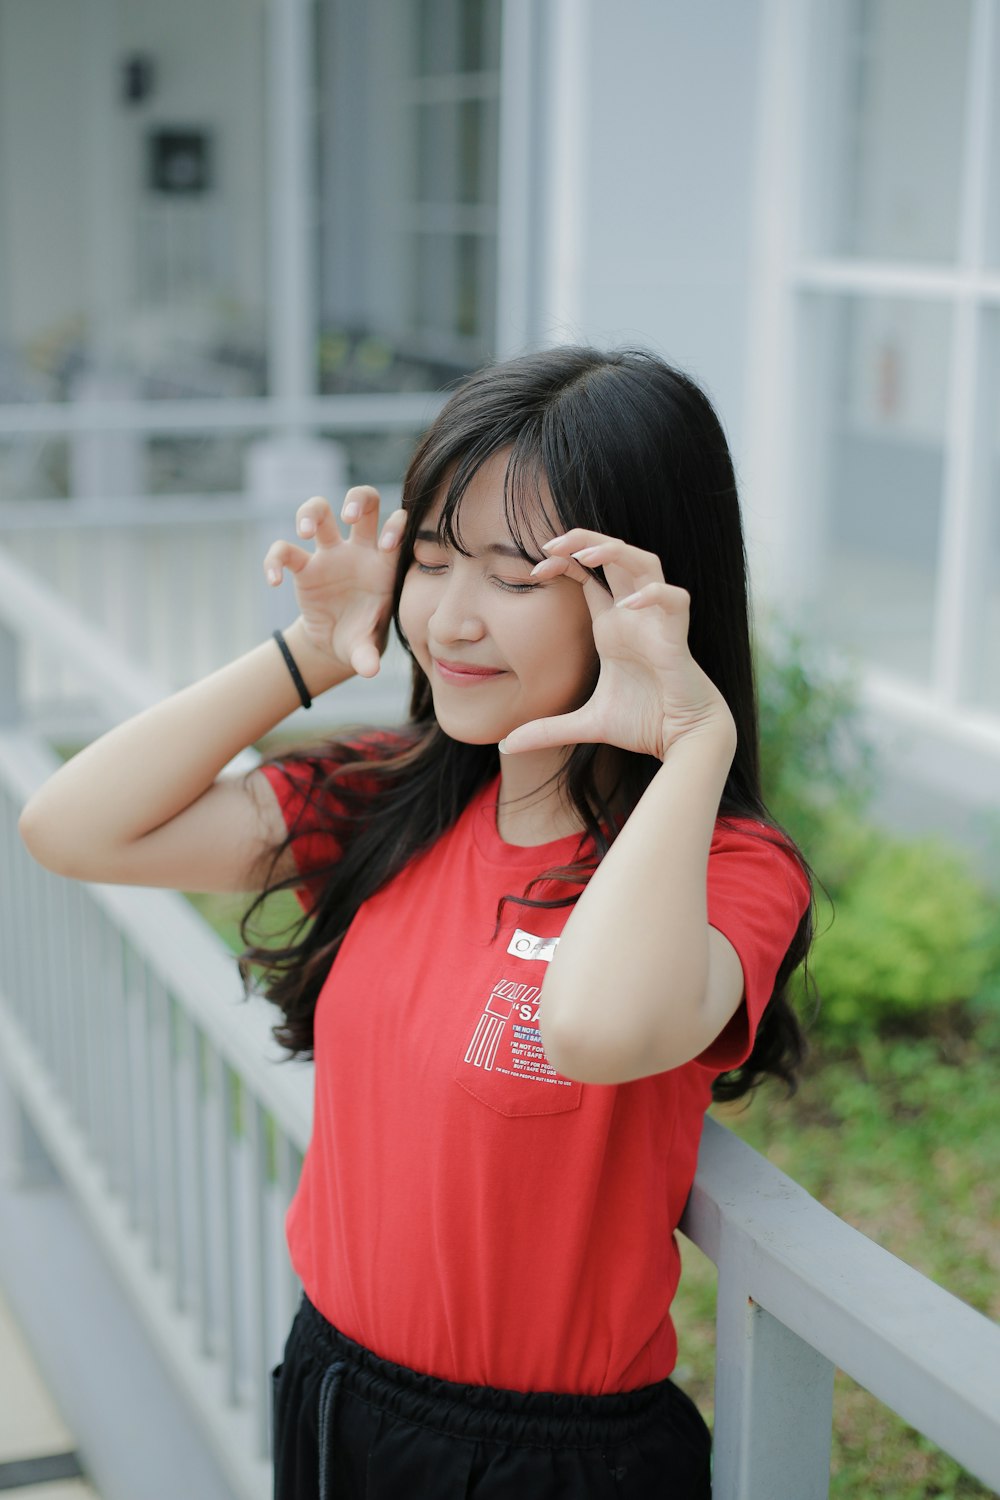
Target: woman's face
498,648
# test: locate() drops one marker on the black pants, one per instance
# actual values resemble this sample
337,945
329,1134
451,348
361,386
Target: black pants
352,1426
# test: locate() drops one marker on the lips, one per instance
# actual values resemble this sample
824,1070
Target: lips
466,670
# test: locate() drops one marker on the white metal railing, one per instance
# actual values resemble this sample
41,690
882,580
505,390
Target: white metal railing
176,583
158,1094
152,1086
800,1293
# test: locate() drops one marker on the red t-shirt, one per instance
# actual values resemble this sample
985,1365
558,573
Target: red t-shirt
463,1209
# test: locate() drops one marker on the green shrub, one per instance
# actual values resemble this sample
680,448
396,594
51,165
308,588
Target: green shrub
911,929
817,767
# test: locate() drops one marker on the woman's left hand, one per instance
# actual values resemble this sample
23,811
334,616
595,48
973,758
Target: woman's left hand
650,691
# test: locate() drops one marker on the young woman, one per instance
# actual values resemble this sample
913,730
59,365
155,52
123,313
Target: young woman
545,920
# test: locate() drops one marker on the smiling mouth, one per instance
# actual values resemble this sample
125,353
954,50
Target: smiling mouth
455,670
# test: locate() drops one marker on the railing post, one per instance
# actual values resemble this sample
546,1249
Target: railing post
10,687
773,1399
24,1161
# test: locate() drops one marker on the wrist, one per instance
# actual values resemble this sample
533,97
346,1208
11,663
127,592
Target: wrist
319,670
712,745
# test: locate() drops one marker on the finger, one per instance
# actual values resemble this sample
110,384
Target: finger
596,594
315,519
666,596
548,734
282,555
392,531
360,511
625,567
365,659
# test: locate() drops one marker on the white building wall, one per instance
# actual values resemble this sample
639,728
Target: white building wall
651,116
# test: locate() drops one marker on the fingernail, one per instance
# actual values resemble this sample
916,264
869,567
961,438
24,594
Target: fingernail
388,539
632,601
537,566
273,576
585,554
502,747
553,542
351,511
307,526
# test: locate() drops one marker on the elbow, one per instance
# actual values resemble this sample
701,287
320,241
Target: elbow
42,840
624,1048
588,1055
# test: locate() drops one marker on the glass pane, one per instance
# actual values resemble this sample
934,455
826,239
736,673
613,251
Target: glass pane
457,36
878,392
479,44
119,465
409,150
457,151
132,198
888,103
34,467
378,458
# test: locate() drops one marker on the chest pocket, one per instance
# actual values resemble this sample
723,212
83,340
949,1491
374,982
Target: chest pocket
501,1061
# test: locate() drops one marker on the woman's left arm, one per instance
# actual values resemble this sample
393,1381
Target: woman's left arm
639,981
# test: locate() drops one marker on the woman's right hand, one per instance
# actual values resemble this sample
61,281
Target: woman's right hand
344,588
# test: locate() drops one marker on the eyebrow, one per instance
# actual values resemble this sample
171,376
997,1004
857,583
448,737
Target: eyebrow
495,549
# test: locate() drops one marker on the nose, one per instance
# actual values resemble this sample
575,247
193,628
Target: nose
456,616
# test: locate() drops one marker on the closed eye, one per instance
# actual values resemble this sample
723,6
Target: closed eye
433,569
516,588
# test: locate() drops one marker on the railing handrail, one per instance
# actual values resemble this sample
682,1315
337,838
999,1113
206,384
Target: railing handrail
921,1350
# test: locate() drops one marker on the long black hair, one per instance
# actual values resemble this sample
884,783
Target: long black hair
625,445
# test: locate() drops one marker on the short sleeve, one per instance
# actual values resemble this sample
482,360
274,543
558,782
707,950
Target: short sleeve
314,847
310,811
757,896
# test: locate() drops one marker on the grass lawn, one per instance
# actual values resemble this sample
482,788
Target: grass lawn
901,1139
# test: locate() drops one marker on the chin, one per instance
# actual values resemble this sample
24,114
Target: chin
469,734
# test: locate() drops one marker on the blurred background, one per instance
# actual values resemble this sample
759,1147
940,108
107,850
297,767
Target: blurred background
245,245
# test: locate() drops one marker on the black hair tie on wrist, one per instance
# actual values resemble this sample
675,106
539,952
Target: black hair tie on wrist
292,666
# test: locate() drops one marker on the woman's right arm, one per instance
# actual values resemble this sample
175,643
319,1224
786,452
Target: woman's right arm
146,805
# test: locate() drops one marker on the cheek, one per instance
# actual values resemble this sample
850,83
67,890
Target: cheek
410,613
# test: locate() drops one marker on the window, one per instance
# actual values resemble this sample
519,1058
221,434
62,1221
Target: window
132,230
898,292
409,146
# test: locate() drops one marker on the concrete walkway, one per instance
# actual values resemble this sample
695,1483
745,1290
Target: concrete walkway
38,1459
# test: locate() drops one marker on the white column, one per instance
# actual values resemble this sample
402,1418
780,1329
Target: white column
521,175
779,521
290,208
291,463
963,546
566,131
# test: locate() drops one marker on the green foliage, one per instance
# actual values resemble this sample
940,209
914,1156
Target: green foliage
817,767
911,929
